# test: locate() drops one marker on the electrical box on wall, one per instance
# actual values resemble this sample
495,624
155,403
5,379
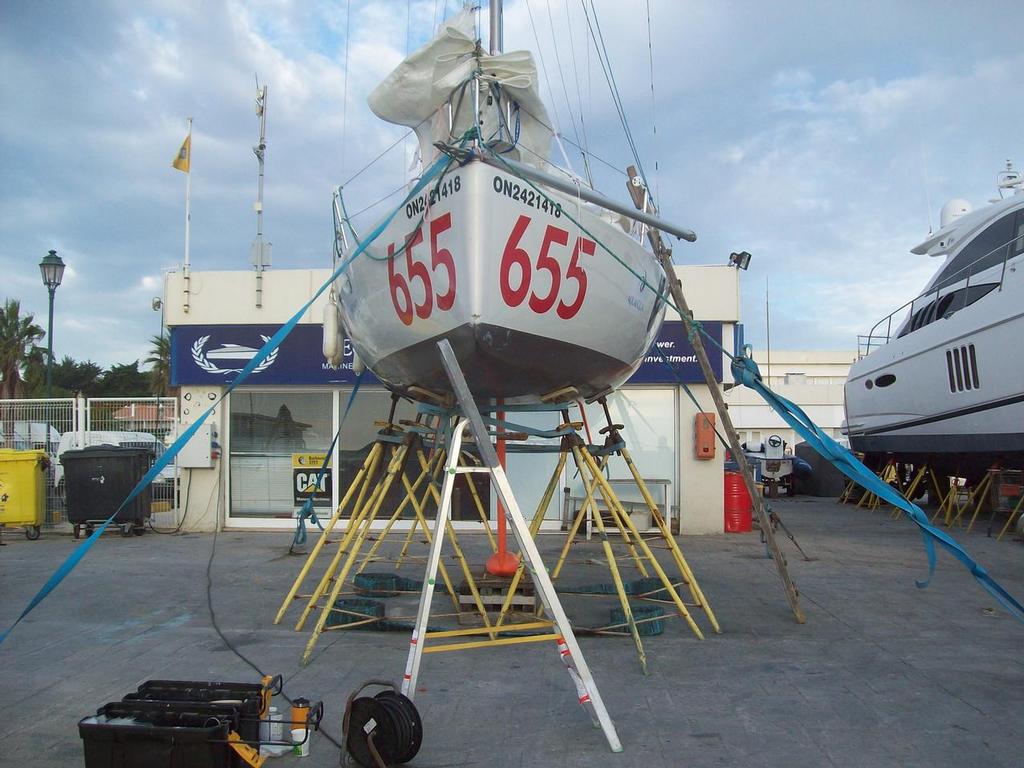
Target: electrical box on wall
201,450
704,436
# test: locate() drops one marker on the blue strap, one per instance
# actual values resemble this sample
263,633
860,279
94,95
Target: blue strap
746,372
307,510
437,168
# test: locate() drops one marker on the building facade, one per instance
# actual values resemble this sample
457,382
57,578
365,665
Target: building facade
266,433
812,380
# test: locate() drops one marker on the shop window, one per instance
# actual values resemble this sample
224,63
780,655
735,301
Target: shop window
267,428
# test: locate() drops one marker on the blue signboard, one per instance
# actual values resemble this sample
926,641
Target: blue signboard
214,354
671,358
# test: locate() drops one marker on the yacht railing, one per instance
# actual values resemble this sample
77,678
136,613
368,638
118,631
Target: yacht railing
882,332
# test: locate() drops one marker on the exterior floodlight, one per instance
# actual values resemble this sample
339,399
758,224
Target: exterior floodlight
739,260
52,270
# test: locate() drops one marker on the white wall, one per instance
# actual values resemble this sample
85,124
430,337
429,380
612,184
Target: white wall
701,492
229,298
819,392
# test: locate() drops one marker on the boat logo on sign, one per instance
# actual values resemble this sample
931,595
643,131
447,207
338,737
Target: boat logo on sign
229,358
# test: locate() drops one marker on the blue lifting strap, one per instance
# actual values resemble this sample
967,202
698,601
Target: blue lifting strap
746,372
436,169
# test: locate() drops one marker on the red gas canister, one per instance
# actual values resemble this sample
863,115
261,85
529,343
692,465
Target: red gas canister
738,504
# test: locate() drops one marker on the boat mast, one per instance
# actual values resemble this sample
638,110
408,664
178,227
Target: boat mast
497,29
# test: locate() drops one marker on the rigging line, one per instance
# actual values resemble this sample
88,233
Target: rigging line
616,94
615,87
604,70
654,109
544,67
568,172
579,99
561,74
374,204
366,167
566,139
344,96
408,34
603,57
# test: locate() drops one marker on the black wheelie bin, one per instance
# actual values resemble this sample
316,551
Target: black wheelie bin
98,478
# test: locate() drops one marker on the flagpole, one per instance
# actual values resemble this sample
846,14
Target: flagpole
188,215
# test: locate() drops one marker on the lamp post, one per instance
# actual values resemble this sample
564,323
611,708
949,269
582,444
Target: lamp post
52,270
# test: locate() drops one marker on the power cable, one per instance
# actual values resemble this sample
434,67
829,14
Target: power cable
213,615
184,511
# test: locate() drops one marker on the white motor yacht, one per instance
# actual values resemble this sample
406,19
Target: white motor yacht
942,378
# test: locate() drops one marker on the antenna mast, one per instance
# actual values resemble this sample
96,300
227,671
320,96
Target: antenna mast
260,249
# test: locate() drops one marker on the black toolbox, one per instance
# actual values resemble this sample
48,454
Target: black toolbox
157,734
247,698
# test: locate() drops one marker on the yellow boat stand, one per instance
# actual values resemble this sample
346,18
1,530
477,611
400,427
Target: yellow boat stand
399,446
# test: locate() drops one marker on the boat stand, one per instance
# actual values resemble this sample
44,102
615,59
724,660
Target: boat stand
369,489
559,629
659,588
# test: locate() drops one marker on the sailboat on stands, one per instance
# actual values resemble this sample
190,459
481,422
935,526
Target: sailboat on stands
538,282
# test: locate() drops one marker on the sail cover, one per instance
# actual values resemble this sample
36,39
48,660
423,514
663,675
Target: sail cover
416,92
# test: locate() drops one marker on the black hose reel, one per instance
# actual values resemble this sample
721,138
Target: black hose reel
382,730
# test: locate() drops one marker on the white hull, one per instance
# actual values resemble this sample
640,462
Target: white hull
957,387
577,317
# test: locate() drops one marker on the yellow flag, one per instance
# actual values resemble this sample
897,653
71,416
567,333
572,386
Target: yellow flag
181,160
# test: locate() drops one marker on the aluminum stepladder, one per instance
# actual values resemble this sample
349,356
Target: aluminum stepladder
568,647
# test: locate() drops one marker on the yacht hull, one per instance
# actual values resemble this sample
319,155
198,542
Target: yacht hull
529,301
951,393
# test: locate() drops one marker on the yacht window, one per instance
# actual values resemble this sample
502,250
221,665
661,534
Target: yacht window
944,304
987,249
1018,243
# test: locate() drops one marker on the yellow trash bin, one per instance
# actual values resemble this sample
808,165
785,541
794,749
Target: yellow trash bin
23,489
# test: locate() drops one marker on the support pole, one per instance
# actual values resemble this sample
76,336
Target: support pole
664,254
502,562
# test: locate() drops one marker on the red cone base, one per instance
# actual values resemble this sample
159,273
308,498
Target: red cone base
502,564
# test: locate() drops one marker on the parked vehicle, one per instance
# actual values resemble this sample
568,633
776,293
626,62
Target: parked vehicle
29,435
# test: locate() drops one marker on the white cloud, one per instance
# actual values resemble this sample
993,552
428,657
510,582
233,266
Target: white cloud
810,150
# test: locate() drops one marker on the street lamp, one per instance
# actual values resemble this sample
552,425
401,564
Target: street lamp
52,270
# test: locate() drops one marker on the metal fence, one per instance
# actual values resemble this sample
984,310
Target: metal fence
58,424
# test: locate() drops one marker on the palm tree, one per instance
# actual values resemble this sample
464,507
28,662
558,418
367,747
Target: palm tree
159,361
18,336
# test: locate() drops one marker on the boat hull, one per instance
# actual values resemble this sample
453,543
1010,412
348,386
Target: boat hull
956,394
530,301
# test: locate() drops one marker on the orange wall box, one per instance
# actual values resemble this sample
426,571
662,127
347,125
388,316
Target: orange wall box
704,435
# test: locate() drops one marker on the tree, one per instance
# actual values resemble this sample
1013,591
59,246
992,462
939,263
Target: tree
71,377
18,336
34,378
159,362
123,381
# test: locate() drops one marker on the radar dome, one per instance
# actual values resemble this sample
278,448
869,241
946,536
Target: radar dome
953,210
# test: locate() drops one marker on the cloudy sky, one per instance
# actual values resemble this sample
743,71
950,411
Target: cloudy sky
821,137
